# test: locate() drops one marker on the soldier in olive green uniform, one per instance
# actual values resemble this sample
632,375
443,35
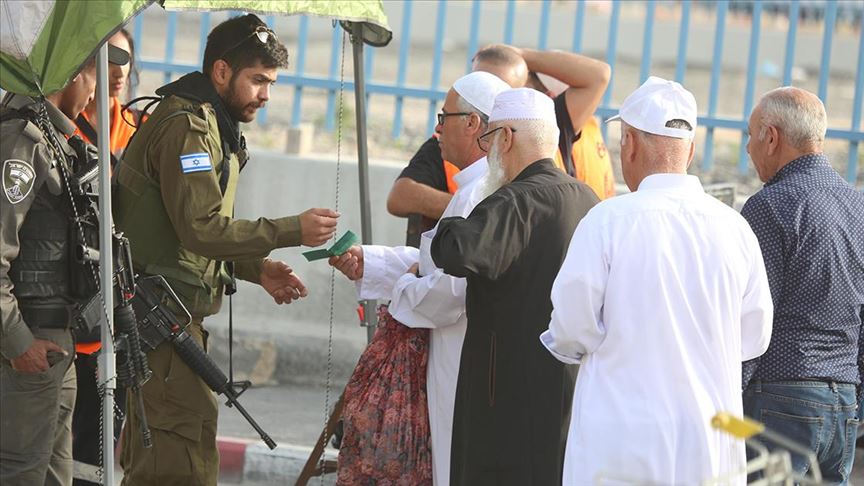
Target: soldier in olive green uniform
174,200
39,281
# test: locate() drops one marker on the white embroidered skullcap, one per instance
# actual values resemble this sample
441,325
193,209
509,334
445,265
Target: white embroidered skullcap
657,102
523,104
479,89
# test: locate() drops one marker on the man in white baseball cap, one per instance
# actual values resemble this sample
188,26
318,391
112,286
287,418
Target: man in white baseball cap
421,295
512,398
662,295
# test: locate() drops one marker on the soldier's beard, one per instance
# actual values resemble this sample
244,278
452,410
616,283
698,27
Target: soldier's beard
239,111
494,178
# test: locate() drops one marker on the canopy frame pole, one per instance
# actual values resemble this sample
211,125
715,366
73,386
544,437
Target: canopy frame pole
362,162
106,369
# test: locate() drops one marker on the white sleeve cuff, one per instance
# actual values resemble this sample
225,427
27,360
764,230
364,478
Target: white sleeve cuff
549,343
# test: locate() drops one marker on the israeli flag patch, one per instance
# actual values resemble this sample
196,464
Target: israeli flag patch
195,163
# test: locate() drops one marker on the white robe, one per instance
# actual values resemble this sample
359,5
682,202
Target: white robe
662,295
435,301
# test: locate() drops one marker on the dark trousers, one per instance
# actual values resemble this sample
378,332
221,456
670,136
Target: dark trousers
86,432
821,416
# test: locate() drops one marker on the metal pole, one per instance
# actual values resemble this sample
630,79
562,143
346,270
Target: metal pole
362,161
107,373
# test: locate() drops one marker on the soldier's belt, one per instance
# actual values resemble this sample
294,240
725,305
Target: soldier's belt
47,318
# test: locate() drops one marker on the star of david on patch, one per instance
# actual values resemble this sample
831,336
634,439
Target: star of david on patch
18,179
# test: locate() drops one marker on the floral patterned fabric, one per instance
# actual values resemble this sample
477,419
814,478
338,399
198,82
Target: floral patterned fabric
386,440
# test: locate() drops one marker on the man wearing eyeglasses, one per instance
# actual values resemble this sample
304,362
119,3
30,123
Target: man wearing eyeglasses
512,398
174,200
575,82
421,295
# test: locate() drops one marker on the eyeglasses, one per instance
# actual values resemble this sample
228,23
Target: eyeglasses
484,140
262,33
442,116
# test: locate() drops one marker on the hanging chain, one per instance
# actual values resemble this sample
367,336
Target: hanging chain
324,437
54,142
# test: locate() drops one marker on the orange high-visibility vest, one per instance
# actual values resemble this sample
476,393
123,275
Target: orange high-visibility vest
121,131
591,160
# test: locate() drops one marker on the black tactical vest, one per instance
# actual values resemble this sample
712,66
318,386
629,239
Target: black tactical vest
49,283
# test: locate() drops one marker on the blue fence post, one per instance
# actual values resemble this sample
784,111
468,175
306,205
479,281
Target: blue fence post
611,50
852,164
578,25
683,34
367,68
825,65
270,20
472,35
716,64
543,37
436,63
404,45
789,61
302,38
169,44
203,32
648,36
335,54
137,32
753,56
510,16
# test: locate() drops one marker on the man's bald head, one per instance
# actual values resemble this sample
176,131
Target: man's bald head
504,62
798,114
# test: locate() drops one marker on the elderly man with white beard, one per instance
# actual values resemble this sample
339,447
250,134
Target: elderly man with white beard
422,296
512,397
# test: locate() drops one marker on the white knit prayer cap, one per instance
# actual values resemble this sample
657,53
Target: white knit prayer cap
523,104
479,89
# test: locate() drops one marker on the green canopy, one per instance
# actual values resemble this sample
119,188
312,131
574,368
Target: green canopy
376,32
43,44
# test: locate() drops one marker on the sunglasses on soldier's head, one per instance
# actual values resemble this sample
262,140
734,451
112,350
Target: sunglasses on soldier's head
262,33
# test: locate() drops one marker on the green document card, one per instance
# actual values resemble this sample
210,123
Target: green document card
341,246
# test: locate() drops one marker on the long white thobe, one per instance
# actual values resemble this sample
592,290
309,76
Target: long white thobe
662,295
435,301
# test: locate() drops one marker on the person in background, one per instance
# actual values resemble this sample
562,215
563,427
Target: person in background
86,430
810,225
577,84
123,122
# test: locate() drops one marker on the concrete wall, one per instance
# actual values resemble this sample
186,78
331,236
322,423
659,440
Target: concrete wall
289,343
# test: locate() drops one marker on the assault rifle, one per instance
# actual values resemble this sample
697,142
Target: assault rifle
157,307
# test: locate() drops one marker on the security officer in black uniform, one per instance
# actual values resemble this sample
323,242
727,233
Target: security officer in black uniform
42,288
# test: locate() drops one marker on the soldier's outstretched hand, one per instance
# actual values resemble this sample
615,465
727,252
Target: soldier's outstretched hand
281,282
350,263
317,225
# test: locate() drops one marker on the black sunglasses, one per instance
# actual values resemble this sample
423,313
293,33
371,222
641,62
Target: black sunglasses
262,33
483,141
442,116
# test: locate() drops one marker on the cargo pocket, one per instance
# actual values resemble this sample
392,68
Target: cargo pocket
492,369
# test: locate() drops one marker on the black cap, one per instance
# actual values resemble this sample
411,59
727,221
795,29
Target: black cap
117,56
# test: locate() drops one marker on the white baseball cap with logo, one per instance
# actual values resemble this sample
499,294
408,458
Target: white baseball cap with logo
657,102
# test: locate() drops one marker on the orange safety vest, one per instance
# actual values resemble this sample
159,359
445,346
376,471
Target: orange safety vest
591,160
121,131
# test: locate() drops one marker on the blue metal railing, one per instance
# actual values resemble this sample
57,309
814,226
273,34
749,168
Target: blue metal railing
515,19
